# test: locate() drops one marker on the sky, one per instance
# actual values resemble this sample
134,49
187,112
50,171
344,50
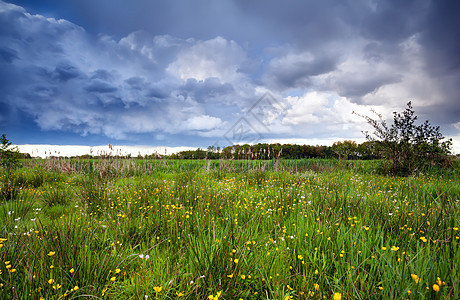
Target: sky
209,72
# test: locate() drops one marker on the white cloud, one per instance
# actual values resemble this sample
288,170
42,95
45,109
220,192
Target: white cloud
307,108
204,122
76,150
217,58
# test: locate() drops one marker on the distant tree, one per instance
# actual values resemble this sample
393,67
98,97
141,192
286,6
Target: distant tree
9,155
345,149
367,150
408,147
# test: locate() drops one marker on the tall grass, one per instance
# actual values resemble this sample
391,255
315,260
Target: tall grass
304,229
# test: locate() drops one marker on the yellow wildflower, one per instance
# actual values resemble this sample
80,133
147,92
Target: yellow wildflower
337,296
51,253
51,281
436,287
113,278
415,278
157,289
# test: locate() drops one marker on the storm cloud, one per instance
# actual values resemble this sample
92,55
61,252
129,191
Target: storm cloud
164,70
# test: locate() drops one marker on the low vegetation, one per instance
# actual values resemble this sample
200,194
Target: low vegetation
196,229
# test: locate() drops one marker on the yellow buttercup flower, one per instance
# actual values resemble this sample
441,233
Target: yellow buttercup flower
216,297
337,296
157,289
72,270
436,287
113,278
51,253
51,281
415,278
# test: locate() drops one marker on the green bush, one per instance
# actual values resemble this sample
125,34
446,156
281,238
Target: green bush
406,147
9,156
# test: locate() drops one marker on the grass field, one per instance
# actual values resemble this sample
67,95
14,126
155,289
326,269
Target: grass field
306,229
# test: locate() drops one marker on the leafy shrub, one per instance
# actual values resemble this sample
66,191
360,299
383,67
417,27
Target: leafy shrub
407,147
8,155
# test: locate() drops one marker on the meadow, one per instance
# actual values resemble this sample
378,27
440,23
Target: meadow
201,229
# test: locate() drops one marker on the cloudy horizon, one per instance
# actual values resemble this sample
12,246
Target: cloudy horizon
195,74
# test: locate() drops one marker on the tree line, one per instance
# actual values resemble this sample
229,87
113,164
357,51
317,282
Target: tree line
262,151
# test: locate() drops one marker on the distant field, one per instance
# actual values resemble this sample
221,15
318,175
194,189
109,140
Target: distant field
201,229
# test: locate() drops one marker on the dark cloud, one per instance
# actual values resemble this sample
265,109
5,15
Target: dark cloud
100,86
355,86
298,70
206,90
392,21
440,37
136,83
8,55
66,72
161,68
66,80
